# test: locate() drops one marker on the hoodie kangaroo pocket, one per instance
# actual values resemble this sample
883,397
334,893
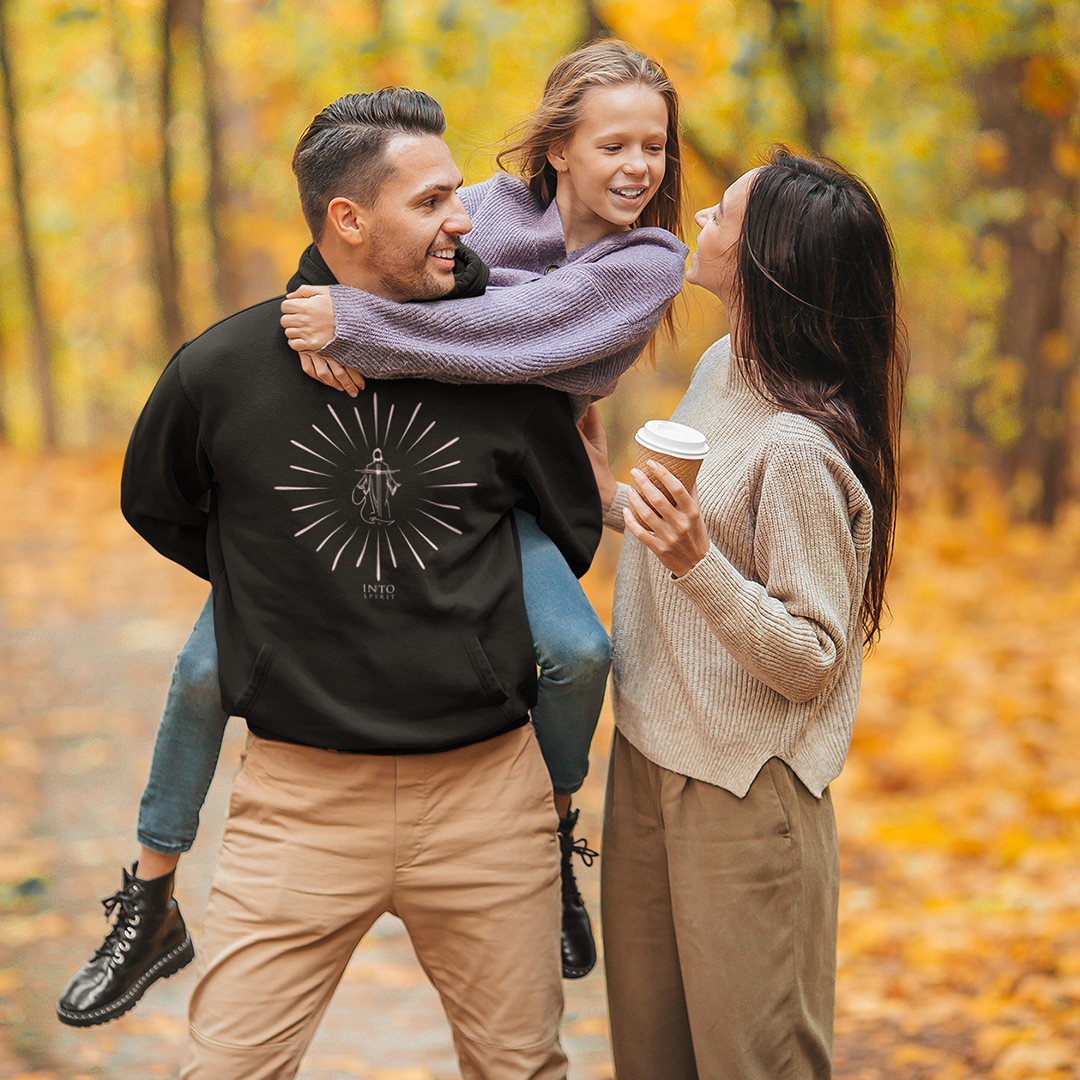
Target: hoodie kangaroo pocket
494,690
255,682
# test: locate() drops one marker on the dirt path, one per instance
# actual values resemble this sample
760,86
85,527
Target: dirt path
88,695
958,808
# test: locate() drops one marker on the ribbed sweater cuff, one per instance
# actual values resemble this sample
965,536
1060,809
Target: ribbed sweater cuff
336,349
713,587
613,517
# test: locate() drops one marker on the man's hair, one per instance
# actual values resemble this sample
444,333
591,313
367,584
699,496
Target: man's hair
342,154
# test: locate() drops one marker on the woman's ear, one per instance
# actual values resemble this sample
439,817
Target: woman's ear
348,220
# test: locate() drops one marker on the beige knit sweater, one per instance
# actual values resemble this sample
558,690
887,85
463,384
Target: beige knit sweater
757,651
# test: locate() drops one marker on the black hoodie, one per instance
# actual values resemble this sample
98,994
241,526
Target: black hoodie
363,553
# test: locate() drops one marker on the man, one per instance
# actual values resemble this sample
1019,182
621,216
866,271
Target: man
371,629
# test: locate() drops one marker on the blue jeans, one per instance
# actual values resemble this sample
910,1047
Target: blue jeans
188,744
572,650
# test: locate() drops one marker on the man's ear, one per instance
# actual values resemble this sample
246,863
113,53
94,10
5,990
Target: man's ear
556,156
348,220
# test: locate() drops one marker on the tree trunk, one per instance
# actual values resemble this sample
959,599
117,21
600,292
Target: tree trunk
1027,103
801,31
595,27
163,208
41,349
227,286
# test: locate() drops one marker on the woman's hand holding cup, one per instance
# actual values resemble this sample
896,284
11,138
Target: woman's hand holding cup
668,522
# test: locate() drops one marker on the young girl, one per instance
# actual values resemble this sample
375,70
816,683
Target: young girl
740,617
578,289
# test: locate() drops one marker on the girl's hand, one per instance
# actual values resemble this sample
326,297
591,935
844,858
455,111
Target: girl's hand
594,437
332,373
308,318
674,534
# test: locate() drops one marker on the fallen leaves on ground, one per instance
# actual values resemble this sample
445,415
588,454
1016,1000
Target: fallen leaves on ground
958,810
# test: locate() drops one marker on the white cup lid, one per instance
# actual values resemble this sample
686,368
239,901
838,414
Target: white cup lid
667,437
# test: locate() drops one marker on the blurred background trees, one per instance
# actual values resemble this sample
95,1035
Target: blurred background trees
145,187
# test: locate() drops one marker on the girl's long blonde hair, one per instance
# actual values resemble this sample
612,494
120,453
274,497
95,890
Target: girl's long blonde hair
606,62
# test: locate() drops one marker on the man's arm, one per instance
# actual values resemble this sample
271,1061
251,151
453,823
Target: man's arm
167,476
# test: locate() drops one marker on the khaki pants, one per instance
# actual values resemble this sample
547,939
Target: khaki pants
720,920
460,845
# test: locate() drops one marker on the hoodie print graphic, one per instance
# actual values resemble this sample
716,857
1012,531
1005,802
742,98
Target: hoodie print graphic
373,490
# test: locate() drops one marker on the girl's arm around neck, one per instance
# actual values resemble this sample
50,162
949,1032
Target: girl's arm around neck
576,329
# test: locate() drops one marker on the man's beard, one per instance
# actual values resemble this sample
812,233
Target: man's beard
405,276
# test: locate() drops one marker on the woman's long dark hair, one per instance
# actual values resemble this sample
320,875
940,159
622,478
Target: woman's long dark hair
817,296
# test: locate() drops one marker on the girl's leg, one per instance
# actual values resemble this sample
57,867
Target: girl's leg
187,747
148,939
574,655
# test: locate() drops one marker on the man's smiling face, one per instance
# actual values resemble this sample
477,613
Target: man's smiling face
418,221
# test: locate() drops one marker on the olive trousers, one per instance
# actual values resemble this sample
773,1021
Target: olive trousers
720,918
460,845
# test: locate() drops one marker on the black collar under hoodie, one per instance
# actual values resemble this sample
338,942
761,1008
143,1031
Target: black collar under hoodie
363,552
471,273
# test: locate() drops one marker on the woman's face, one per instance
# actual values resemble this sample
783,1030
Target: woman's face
712,265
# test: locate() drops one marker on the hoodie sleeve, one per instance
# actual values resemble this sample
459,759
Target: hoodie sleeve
558,484
576,329
167,475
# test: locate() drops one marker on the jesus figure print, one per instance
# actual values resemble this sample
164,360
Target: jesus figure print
372,494
363,511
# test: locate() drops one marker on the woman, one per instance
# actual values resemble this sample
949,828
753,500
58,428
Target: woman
741,613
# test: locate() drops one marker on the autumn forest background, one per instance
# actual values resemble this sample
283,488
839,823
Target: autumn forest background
145,191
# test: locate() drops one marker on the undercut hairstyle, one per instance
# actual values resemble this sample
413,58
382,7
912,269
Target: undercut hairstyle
819,331
342,154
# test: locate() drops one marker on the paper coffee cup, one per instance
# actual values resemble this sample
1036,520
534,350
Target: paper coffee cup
680,449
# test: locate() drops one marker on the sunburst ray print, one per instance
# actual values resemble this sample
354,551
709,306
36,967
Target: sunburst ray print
373,491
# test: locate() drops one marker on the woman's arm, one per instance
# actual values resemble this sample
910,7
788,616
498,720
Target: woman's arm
791,628
576,329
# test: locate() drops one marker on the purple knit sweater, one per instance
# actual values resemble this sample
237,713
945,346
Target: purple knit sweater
576,330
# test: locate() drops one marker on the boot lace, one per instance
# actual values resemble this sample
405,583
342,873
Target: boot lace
580,847
119,938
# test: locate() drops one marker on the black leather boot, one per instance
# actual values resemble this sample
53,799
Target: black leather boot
148,941
578,946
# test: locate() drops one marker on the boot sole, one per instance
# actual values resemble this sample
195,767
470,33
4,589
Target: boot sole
167,964
577,973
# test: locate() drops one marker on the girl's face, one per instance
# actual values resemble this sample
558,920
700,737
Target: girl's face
712,265
612,165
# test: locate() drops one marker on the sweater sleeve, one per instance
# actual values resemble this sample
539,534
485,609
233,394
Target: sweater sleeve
167,476
790,628
576,329
613,517
473,195
557,479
